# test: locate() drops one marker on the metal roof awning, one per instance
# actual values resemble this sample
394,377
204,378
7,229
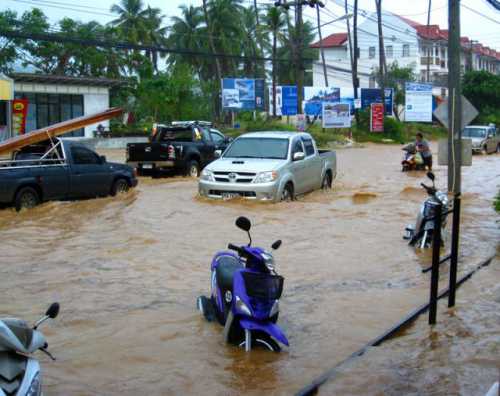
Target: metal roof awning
66,80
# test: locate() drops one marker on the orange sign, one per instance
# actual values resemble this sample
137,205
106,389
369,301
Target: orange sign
19,113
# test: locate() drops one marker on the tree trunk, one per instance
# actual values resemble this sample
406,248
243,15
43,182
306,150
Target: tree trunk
274,72
218,71
321,45
381,55
299,67
428,57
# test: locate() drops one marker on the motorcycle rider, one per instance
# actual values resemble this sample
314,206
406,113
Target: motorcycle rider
424,149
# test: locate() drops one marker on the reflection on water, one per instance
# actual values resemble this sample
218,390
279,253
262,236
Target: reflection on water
127,272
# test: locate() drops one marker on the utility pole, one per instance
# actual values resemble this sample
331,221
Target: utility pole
353,52
455,101
318,5
428,57
381,51
299,67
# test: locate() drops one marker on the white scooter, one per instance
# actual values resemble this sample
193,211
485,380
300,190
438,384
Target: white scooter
421,233
19,371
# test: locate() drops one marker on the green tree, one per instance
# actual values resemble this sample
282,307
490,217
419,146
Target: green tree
483,90
275,24
8,46
131,21
395,77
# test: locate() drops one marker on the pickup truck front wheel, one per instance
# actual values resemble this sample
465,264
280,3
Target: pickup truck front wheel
26,198
287,193
120,186
193,169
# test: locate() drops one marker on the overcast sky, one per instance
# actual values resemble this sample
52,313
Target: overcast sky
473,25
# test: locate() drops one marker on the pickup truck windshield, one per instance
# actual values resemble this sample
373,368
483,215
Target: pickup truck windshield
272,148
474,132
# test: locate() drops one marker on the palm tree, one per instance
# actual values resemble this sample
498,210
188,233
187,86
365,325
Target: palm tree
275,23
155,33
131,21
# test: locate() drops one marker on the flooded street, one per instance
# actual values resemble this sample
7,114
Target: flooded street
127,272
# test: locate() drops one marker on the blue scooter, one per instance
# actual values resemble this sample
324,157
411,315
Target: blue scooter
245,293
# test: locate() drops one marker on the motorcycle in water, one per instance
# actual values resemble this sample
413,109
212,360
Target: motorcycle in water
19,371
411,159
245,293
421,234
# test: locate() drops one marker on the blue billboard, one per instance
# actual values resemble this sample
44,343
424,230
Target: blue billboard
315,96
289,100
242,94
372,95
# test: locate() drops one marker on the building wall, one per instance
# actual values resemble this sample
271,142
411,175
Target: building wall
95,99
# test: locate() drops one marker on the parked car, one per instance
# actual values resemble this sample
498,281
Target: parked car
58,171
269,166
485,139
185,147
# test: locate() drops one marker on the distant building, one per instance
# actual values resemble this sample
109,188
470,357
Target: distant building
54,98
408,43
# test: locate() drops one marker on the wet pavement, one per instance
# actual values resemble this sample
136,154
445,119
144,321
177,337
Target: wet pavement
127,272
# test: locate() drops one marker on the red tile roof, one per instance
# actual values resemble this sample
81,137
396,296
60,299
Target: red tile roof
333,40
433,32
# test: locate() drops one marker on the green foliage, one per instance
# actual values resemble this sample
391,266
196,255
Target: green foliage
496,203
482,89
8,53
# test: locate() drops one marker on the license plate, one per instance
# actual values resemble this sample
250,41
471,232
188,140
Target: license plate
147,166
228,195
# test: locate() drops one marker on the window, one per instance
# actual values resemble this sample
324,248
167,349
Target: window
308,145
297,147
274,148
389,51
216,137
83,156
181,135
371,52
406,50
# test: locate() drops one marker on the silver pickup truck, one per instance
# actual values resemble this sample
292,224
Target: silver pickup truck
269,166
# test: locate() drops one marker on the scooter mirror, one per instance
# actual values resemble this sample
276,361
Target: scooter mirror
431,176
243,223
276,245
53,310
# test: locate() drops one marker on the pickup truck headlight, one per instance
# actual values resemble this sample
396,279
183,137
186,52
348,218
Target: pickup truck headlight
266,177
207,175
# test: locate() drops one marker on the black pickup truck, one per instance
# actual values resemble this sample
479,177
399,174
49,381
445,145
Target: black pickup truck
186,148
60,170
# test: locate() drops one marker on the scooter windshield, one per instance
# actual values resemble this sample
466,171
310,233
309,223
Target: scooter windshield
263,286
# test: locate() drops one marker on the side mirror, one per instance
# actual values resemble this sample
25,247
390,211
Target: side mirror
431,176
103,159
228,139
276,245
217,153
53,311
299,156
243,223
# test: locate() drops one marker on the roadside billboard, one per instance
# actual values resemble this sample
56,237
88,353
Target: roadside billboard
286,100
19,113
373,95
242,94
314,97
336,115
418,105
377,117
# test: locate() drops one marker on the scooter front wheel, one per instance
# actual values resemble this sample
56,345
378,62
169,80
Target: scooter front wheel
262,340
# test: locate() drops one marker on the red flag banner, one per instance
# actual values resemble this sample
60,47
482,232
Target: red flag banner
377,117
19,114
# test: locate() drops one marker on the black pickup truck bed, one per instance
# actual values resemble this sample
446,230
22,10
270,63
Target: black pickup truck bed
182,148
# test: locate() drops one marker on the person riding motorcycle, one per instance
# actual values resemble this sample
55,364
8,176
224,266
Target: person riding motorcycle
424,149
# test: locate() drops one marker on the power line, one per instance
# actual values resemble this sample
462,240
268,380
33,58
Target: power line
481,14
64,8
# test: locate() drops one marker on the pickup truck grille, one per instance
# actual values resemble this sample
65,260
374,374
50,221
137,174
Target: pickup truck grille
234,177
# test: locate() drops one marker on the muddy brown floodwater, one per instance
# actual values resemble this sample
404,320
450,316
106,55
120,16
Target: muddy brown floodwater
127,272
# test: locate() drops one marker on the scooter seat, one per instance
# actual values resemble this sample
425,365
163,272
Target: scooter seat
226,268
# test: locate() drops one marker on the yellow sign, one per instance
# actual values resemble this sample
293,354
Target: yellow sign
18,106
6,90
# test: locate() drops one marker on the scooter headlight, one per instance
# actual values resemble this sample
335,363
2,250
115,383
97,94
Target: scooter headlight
242,307
269,261
442,197
35,388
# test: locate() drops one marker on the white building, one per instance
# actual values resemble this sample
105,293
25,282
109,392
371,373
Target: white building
408,43
53,98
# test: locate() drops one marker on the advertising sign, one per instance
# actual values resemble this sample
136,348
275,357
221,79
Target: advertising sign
418,106
242,94
286,100
336,115
357,103
372,95
314,97
377,117
19,113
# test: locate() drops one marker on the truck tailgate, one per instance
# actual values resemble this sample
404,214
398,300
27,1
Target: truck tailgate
147,152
